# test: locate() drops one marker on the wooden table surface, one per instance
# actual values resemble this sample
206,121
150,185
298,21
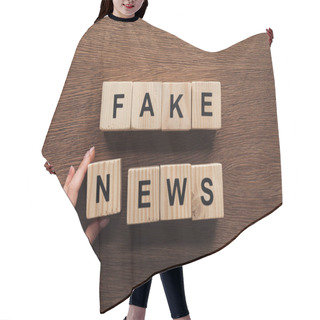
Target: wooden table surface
247,145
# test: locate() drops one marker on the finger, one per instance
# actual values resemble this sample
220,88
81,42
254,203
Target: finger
271,32
92,231
78,177
49,168
95,227
103,222
73,196
69,178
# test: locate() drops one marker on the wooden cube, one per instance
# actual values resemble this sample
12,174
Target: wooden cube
103,188
146,106
143,195
207,191
176,106
175,191
206,105
116,105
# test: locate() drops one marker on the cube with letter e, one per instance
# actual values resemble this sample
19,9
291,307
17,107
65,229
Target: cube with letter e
143,195
206,105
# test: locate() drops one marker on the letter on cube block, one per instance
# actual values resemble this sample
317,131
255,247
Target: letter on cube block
103,188
146,106
175,191
143,195
206,105
176,106
116,105
207,191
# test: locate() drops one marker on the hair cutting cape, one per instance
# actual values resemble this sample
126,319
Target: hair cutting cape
247,145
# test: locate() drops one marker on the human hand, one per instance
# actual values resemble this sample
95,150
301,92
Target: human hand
49,168
270,34
71,188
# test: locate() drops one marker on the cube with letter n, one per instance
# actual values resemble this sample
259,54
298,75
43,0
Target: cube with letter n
103,188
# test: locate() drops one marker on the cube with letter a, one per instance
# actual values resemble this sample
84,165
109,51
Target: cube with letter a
146,106
103,188
206,105
207,191
143,195
116,105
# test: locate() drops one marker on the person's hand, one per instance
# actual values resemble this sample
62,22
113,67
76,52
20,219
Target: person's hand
270,34
49,168
71,188
75,178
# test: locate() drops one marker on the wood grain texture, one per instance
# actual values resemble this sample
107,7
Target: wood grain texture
207,191
104,183
116,104
206,105
247,145
143,204
146,96
175,191
176,106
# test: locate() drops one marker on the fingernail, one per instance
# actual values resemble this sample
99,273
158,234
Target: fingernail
70,169
88,152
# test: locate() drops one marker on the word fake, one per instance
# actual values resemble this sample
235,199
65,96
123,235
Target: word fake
162,106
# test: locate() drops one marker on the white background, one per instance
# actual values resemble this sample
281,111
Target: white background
48,269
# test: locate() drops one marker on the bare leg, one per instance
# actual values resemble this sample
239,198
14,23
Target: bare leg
136,313
138,302
184,318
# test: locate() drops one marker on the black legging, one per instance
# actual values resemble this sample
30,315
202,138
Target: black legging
172,281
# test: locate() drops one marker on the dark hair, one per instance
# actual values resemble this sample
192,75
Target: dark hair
106,7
